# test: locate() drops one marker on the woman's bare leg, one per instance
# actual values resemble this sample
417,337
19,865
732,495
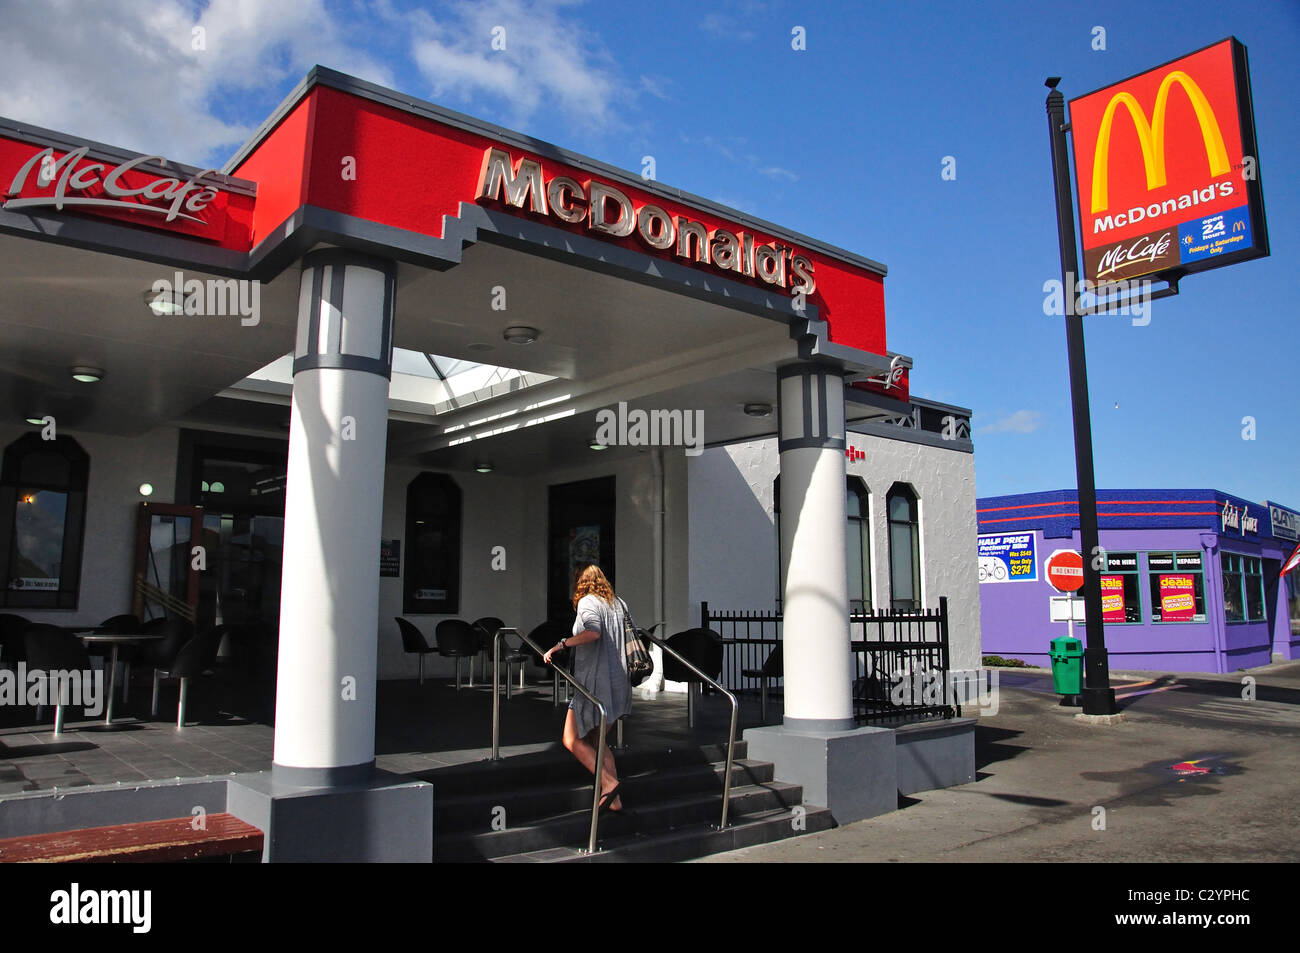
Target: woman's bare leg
584,749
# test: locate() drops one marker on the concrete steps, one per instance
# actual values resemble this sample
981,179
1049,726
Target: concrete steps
538,809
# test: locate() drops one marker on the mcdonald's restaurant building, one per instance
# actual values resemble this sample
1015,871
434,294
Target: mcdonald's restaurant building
396,361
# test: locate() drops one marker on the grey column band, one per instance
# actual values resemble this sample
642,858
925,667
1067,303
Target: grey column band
338,260
814,407
323,777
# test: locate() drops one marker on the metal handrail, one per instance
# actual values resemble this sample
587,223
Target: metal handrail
735,712
496,720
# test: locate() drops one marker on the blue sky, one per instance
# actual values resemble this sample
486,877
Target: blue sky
843,141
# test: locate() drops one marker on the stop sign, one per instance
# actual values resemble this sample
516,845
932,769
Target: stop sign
1064,570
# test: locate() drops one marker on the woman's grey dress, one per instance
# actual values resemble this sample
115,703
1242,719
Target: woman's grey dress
600,666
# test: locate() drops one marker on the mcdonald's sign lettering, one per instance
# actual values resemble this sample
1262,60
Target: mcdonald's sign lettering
1164,151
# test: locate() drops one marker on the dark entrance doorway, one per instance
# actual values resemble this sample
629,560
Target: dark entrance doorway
240,483
581,520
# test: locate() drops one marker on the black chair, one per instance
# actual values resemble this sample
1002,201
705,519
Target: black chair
414,642
703,647
456,639
123,624
774,667
12,648
485,628
161,653
546,635
51,649
198,656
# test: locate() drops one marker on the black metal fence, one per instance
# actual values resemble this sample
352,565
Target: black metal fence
902,659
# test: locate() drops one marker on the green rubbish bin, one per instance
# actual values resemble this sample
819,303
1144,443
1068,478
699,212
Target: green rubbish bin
1067,665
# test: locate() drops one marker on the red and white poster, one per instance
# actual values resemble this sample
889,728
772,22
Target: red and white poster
1112,599
1177,599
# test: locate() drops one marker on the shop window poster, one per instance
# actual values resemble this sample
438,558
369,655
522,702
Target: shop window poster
1177,598
1112,599
1008,557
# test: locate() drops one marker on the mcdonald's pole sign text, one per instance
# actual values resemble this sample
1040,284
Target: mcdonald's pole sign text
1166,169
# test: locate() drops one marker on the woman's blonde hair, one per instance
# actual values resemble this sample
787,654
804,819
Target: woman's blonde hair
590,580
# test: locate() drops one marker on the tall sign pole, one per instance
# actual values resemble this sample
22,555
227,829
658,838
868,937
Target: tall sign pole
1098,696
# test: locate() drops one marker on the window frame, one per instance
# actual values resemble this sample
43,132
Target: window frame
1153,580
68,595
1136,575
913,522
857,486
454,517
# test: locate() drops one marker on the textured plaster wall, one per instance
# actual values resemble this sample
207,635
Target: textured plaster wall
733,557
118,465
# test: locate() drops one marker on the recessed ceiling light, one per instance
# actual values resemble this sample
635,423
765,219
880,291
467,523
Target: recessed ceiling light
521,334
483,467
758,410
164,303
146,489
36,421
595,444
87,375
478,346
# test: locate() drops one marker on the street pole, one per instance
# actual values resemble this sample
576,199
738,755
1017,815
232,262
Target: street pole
1098,696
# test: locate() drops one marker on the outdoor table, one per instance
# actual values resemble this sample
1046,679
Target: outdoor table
114,639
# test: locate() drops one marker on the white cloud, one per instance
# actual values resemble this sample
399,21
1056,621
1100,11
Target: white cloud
1022,421
548,60
129,73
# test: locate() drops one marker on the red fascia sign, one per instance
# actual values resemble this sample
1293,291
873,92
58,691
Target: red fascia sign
45,178
1167,170
609,211
1064,570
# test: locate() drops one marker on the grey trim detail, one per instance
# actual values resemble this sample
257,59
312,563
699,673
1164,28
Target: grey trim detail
936,405
817,443
344,362
345,257
806,406
323,777
40,136
108,238
819,724
811,334
105,805
806,367
867,398
337,272
890,432
313,326
321,76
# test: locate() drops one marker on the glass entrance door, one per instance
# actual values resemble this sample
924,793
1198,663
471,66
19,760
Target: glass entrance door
581,532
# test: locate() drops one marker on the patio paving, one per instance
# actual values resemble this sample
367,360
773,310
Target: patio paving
418,729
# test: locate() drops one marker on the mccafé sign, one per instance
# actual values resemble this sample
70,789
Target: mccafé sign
71,182
606,210
1166,169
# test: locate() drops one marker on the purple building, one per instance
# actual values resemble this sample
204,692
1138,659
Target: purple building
1190,578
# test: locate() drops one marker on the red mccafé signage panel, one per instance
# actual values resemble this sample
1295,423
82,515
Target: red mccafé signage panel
41,178
1167,170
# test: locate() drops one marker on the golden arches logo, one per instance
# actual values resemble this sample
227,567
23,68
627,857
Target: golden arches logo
1151,136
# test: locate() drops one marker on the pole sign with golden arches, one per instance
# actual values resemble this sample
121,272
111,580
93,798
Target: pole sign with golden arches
1167,170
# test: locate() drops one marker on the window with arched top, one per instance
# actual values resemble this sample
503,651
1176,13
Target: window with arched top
904,548
42,521
857,543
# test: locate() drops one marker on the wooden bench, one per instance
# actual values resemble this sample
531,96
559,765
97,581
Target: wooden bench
143,842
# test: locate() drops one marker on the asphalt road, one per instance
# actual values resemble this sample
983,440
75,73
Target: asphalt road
1197,773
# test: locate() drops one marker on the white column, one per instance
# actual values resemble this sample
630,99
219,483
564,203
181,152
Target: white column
818,674
329,601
